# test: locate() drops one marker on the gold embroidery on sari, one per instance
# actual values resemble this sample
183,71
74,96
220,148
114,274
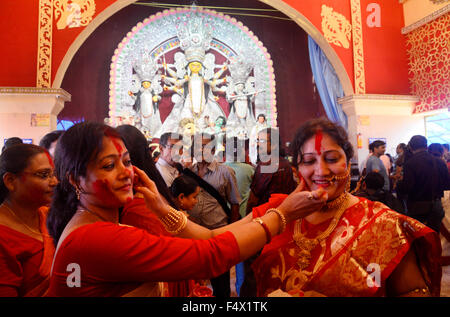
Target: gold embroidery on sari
376,238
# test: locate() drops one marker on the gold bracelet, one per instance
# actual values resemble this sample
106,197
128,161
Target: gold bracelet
418,292
174,221
282,218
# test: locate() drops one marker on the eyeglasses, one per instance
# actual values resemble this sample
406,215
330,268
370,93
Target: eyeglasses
44,175
262,141
170,146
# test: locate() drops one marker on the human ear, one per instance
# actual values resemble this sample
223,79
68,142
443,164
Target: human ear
74,183
9,179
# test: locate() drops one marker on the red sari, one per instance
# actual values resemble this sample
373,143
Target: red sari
368,233
137,215
25,262
115,260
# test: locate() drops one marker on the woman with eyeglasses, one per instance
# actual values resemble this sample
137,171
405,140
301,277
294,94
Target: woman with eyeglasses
26,249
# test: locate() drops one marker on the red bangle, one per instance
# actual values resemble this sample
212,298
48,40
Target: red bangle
266,229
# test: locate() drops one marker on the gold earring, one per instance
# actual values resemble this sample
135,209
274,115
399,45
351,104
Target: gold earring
77,192
349,180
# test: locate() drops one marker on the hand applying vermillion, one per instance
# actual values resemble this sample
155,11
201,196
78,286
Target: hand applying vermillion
302,202
144,185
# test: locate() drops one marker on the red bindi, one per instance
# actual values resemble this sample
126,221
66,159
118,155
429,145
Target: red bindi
318,142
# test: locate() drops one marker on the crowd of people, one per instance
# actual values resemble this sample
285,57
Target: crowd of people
413,182
92,211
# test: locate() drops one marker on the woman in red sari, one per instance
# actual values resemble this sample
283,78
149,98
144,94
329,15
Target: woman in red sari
26,249
351,246
97,256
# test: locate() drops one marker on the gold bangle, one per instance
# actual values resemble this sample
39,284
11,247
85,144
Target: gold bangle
174,221
282,218
418,292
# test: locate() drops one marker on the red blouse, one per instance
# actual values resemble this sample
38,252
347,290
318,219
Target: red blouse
114,259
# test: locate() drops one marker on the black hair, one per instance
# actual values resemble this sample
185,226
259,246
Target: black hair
261,115
402,146
79,145
445,146
169,135
311,127
374,180
49,138
377,143
224,120
436,149
11,142
183,184
418,142
14,160
136,144
156,154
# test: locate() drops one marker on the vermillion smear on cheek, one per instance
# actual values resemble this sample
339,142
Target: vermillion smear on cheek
318,142
50,160
101,189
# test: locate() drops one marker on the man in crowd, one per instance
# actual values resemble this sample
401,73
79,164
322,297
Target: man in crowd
166,164
374,163
424,180
372,189
218,188
236,157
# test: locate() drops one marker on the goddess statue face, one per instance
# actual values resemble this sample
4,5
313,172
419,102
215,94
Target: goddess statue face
146,84
195,67
240,88
261,119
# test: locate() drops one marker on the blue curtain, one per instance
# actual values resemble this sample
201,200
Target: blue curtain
327,83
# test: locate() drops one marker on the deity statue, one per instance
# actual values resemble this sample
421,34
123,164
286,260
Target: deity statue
148,97
240,94
194,79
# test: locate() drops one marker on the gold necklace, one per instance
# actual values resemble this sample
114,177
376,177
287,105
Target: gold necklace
95,214
306,245
23,223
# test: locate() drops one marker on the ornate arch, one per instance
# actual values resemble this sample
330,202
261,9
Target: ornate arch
296,16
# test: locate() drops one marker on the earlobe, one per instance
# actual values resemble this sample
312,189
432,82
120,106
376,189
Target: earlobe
74,183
